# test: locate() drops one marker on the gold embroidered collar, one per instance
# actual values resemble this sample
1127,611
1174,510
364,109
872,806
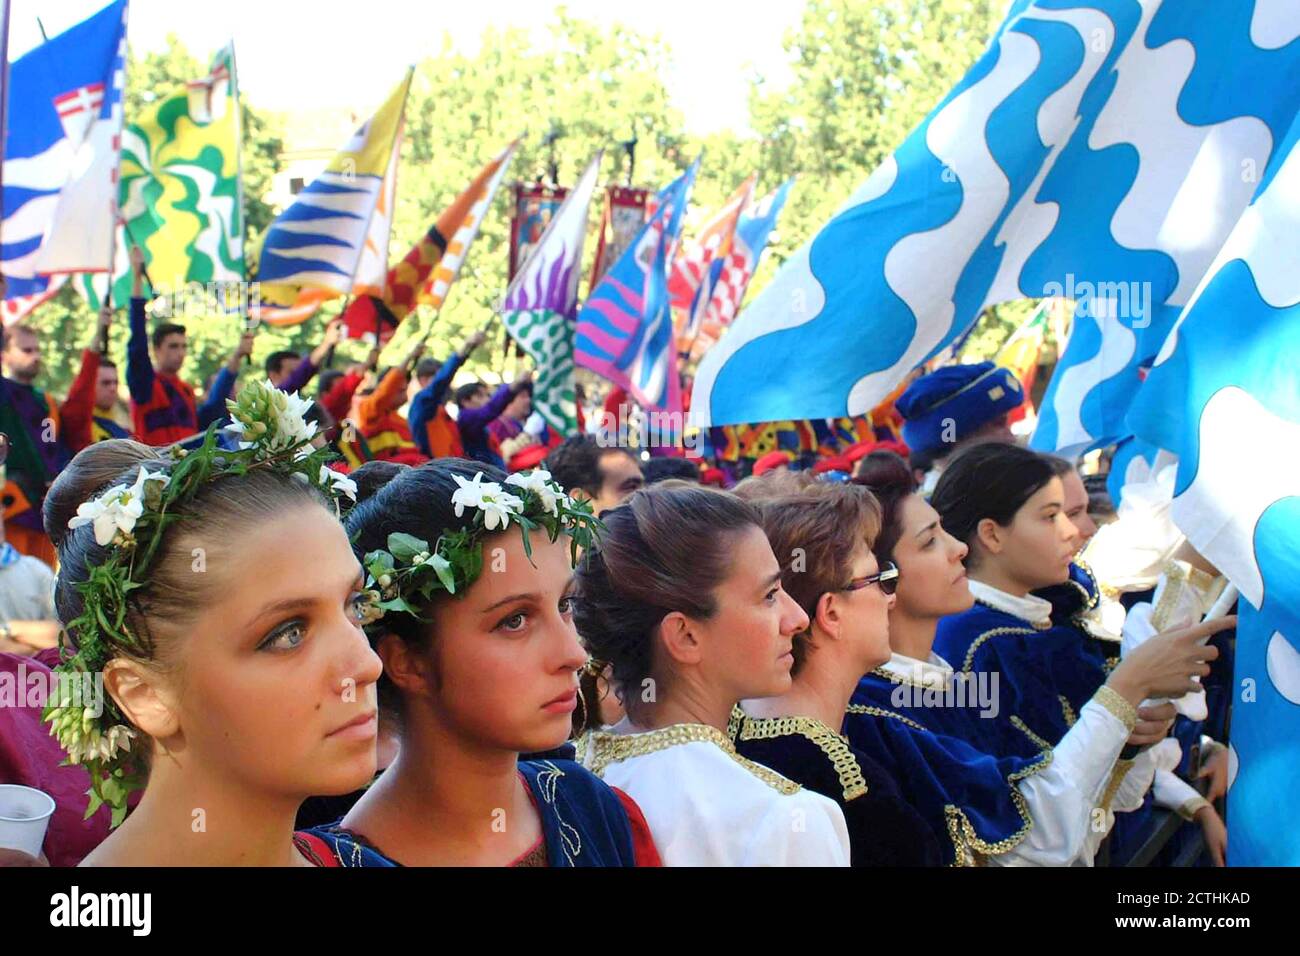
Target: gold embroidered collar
934,674
598,749
834,745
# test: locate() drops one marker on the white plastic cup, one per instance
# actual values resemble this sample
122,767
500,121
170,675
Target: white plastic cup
24,817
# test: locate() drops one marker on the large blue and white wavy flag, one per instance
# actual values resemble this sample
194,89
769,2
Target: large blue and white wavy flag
1224,395
1101,149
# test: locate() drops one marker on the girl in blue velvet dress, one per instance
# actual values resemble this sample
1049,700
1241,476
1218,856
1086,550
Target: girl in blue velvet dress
475,575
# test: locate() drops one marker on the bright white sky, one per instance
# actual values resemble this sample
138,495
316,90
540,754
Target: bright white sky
348,53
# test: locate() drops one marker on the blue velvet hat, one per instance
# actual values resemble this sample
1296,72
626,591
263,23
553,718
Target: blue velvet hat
970,396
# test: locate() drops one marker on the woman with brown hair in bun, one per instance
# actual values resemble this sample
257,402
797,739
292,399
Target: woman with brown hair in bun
480,667
683,598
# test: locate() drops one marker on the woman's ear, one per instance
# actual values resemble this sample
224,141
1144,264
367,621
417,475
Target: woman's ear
140,694
680,641
827,616
406,668
991,535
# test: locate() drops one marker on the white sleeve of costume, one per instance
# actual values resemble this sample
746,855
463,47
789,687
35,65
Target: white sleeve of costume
1062,798
1129,553
805,829
1135,783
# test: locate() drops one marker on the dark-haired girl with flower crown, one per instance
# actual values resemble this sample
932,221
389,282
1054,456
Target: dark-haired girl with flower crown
481,664
239,680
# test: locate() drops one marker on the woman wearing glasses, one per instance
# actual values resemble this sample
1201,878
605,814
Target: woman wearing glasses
1004,795
821,534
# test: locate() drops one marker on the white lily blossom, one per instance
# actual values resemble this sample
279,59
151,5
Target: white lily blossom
337,482
540,483
498,505
116,510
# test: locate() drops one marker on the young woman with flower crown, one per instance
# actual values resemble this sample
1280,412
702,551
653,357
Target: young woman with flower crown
216,593
481,660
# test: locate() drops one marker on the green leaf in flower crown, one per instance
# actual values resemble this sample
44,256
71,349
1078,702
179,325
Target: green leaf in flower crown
524,525
379,561
442,567
96,801
396,604
113,790
405,546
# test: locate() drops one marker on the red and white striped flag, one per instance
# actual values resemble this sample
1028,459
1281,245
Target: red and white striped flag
689,284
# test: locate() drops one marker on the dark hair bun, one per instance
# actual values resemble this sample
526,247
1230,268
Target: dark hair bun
886,474
664,549
374,475
989,480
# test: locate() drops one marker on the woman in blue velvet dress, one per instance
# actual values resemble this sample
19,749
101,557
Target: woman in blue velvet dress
969,757
825,530
480,666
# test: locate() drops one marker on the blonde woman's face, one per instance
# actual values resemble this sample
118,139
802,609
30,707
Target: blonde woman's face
276,683
506,653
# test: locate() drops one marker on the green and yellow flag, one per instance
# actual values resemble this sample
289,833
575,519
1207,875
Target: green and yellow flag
179,193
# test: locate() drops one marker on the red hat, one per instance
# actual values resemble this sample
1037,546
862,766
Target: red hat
713,476
890,444
770,462
859,450
529,457
836,463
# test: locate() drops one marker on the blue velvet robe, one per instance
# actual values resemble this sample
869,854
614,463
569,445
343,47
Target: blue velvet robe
1045,675
583,821
966,794
884,829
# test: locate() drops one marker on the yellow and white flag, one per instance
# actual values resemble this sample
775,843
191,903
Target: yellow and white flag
320,241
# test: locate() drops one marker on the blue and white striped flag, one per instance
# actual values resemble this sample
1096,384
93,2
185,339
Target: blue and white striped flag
61,147
1224,395
1101,149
